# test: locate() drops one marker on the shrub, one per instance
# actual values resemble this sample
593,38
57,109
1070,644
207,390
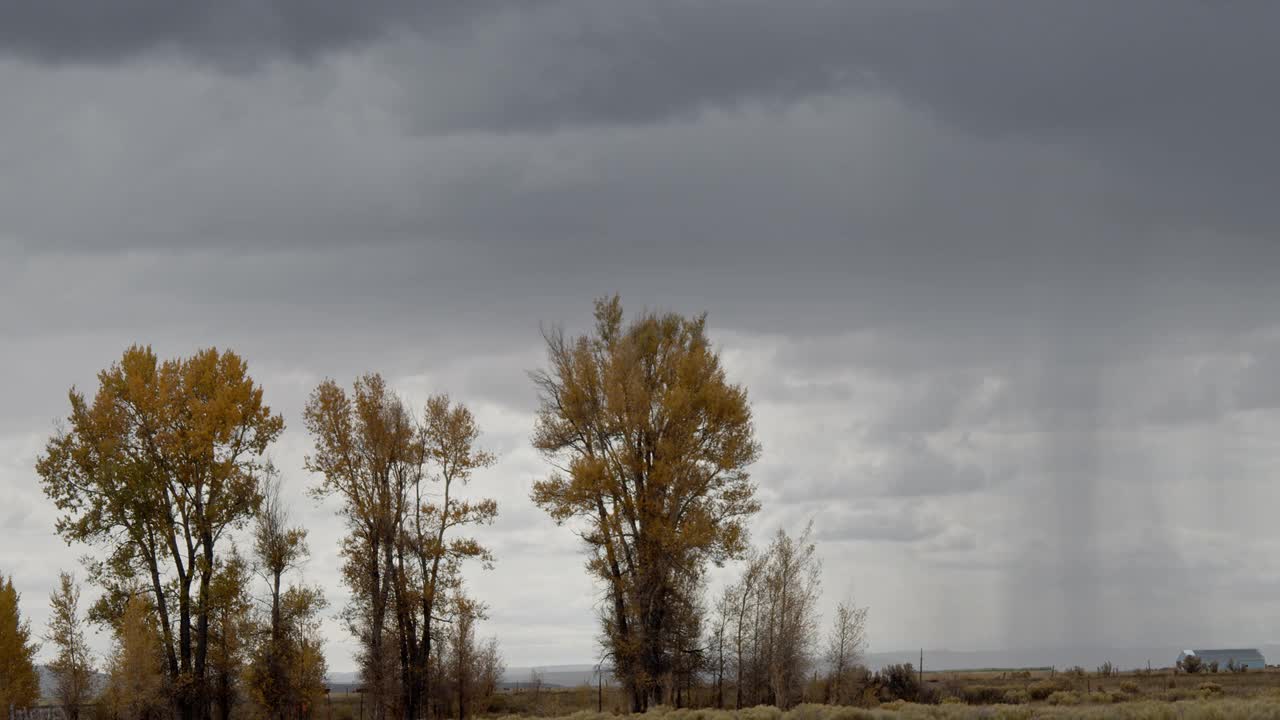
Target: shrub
1064,697
846,713
1213,666
1078,672
1106,669
982,694
809,711
869,697
899,682
1043,689
1009,712
586,715
759,712
1101,697
1016,697
952,700
1177,694
1191,664
1130,687
1210,689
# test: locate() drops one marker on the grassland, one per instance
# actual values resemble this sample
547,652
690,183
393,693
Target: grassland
960,696
1221,709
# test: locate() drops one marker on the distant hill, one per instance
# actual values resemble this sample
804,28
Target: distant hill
554,676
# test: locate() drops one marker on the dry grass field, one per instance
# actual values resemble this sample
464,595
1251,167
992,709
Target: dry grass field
959,695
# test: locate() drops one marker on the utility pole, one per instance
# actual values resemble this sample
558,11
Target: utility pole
921,671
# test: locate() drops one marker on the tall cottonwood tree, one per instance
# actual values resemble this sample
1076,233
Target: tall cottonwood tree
19,683
155,471
72,667
403,549
651,443
448,437
365,454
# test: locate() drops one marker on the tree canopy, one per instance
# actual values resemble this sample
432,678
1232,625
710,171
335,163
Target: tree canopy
404,551
164,461
19,683
652,444
73,665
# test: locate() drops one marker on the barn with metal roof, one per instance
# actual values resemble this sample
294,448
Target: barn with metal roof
1248,657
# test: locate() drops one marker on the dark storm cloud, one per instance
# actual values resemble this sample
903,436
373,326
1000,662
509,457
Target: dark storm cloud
1171,96
231,33
1037,67
1000,277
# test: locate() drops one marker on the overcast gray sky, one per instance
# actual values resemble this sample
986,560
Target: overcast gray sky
1001,277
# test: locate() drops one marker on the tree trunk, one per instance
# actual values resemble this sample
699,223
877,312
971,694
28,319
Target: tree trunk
202,642
377,608
184,697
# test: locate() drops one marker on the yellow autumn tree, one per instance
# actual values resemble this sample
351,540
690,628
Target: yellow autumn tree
278,549
136,684
230,605
72,667
651,443
19,683
306,681
405,549
155,472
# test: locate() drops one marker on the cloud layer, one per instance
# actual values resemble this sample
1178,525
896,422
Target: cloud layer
1000,278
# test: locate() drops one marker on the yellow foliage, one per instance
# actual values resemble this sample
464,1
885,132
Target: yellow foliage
653,442
19,684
